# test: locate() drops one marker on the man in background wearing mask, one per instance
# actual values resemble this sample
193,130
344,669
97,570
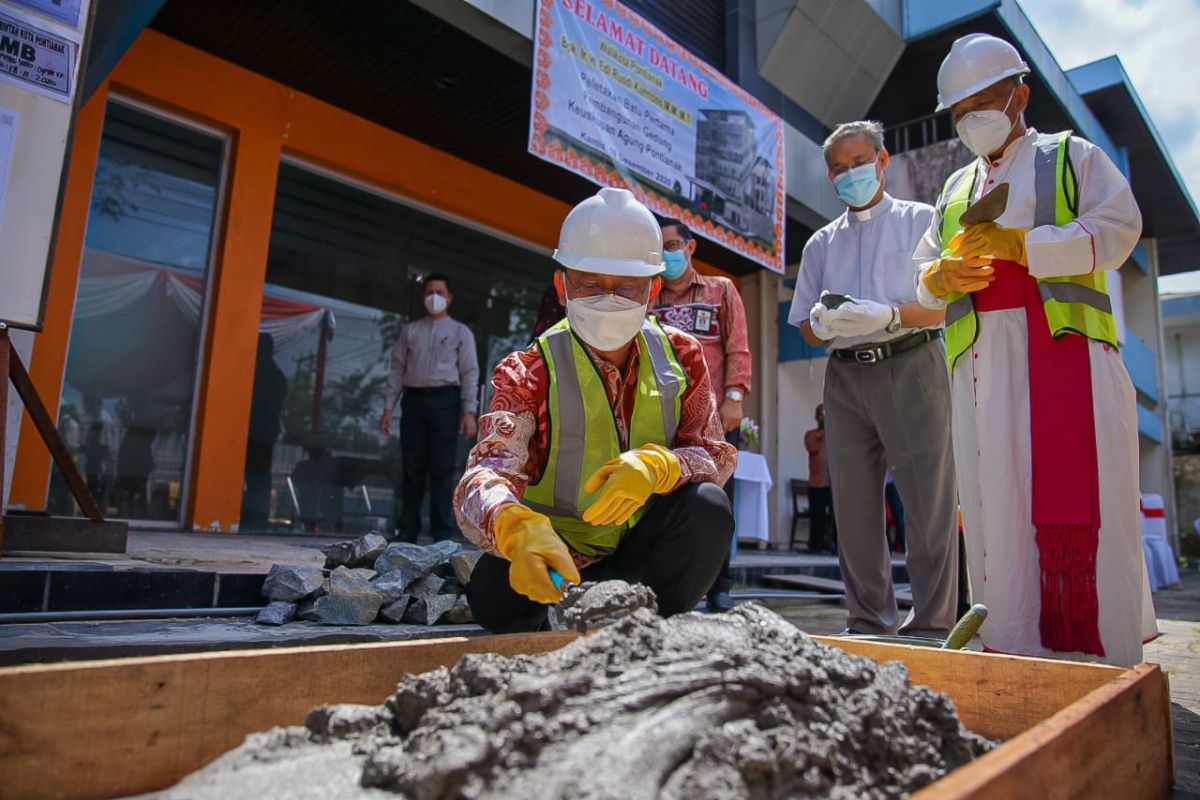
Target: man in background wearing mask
602,454
887,394
1045,430
710,309
436,370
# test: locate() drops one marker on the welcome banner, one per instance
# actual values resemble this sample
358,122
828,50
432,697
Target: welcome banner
616,101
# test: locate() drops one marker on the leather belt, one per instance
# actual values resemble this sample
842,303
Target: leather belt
881,352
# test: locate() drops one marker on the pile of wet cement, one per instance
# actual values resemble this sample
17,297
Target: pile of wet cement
591,605
740,705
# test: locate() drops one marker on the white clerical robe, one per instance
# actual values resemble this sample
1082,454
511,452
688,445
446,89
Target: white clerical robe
991,418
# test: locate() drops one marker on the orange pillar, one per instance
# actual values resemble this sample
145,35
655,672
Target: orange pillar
31,473
227,382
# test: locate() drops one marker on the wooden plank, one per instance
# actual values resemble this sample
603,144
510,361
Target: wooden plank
1115,742
50,435
996,695
123,726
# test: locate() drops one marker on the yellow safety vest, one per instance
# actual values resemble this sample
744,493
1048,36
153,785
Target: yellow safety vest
583,430
1074,304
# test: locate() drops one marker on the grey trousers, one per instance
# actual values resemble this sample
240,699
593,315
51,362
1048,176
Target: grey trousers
895,412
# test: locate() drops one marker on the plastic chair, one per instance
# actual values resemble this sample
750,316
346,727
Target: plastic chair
1160,559
799,495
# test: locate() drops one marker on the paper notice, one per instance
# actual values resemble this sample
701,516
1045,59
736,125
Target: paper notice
8,139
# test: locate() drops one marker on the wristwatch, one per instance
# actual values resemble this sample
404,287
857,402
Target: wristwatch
894,325
734,394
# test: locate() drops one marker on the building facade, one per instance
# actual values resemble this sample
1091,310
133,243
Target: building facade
254,192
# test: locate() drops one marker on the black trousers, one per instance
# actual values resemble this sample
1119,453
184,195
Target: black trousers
256,502
676,549
428,443
822,536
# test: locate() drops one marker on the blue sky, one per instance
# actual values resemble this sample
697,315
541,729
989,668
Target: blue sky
1156,41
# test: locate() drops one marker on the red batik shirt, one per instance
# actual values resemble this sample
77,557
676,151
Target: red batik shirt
711,309
514,435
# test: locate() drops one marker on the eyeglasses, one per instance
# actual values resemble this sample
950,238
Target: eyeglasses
671,245
588,287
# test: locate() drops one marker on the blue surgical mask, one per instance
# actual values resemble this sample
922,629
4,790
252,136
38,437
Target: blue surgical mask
676,264
857,186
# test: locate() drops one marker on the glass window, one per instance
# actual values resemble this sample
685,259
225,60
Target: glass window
342,279
132,358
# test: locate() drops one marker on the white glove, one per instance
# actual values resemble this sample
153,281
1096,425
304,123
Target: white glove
818,316
859,318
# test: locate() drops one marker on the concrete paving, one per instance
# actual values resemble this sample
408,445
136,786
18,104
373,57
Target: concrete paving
81,641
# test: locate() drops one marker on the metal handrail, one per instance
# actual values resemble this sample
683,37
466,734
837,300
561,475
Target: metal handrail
919,132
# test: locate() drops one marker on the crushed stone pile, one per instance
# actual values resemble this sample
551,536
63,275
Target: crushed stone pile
739,705
368,580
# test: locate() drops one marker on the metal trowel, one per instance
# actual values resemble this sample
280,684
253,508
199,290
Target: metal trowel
987,208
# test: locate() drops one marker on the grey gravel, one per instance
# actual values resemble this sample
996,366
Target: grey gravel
459,613
360,552
291,583
391,585
276,612
464,564
428,609
394,611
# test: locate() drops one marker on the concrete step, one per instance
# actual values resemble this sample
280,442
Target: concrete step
52,586
830,586
754,572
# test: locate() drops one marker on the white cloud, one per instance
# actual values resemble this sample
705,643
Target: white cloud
1156,41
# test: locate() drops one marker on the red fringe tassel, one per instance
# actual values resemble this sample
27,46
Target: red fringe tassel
1070,606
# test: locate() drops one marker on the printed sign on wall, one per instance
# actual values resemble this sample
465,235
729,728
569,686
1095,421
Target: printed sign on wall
36,59
616,101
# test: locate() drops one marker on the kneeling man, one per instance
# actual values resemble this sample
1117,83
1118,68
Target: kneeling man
602,454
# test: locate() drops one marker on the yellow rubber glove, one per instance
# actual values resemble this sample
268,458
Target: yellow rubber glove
528,540
989,239
957,275
626,483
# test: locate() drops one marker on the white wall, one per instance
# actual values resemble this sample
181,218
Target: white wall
801,385
1143,318
1182,368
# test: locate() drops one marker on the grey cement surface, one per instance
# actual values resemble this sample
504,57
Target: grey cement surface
737,705
75,641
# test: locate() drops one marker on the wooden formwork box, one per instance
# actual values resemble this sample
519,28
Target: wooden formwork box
124,726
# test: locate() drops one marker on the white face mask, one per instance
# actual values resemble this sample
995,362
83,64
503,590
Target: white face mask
435,303
607,322
984,132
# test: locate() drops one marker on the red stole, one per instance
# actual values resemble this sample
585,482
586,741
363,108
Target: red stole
1066,475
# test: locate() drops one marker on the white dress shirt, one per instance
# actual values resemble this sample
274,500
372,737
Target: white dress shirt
866,254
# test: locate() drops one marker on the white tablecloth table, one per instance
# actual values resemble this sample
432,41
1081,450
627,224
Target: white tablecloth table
752,481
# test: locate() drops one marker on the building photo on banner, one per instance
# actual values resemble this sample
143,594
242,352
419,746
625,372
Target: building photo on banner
617,101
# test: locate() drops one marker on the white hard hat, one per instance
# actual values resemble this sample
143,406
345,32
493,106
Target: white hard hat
613,234
974,63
